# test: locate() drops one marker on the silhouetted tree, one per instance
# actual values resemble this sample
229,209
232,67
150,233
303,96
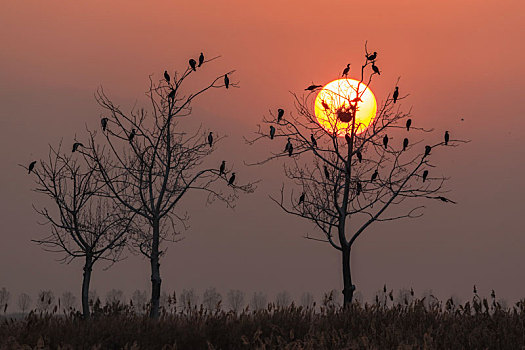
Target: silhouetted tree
235,298
258,301
307,300
114,297
148,174
4,299
24,302
45,301
188,299
140,298
84,225
69,301
334,175
211,299
283,299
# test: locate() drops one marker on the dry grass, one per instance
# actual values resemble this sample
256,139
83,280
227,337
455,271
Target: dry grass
477,324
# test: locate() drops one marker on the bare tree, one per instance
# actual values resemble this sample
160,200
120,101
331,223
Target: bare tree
114,297
307,300
45,301
258,301
24,302
283,299
188,299
84,224
149,161
347,173
4,299
235,299
69,301
140,298
211,299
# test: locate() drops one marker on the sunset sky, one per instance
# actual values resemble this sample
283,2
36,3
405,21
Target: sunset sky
456,59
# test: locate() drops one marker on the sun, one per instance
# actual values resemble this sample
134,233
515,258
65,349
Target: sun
339,100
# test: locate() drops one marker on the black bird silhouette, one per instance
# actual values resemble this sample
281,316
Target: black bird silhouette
290,150
427,150
374,175
385,141
396,94
222,168
493,294
314,141
359,156
348,138
326,173
104,123
313,87
359,188
31,167
346,70
446,200
280,114
272,132
232,179
171,94
301,199
193,64
201,59
371,56
167,76
324,104
375,69
210,139
475,290
425,174
409,122
76,145
132,135
288,145
405,144
226,81
447,137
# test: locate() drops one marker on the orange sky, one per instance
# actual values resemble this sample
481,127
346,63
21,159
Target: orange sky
457,59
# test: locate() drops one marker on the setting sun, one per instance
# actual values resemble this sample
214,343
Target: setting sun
339,100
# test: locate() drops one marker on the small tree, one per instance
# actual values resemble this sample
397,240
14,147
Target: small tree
235,298
188,299
85,225
283,299
149,162
4,299
69,301
45,301
211,299
139,299
307,300
347,173
114,297
24,302
258,301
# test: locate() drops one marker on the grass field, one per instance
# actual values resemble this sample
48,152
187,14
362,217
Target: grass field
476,324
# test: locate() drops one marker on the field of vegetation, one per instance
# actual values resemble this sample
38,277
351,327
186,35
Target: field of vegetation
385,324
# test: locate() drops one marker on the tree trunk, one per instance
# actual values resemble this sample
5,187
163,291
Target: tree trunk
348,287
155,272
88,266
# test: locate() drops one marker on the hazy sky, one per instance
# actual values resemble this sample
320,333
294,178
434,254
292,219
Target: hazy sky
457,59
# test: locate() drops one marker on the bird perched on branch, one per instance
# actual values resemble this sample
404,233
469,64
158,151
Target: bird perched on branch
171,95
405,144
272,132
193,64
301,199
359,188
314,141
76,145
104,123
313,87
132,135
210,139
409,122
425,174
374,175
167,76
325,105
371,56
326,173
226,81
385,141
346,70
201,59
359,156
375,69
396,94
222,168
280,114
446,200
288,145
290,150
427,150
31,167
447,137
232,179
